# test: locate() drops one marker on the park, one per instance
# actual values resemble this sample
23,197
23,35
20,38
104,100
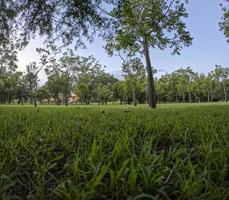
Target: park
114,99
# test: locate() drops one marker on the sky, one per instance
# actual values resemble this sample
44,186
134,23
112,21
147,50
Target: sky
209,46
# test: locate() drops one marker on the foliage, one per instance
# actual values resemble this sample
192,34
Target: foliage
141,24
224,24
188,86
66,20
134,72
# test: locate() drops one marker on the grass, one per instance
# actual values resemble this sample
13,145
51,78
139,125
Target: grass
113,152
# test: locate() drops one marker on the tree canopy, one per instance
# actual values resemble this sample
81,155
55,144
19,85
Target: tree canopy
141,24
224,24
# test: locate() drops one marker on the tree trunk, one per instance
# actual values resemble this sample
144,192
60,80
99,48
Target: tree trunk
196,98
66,99
35,96
208,95
35,101
225,91
22,101
183,98
134,94
189,97
211,95
9,99
4,99
151,88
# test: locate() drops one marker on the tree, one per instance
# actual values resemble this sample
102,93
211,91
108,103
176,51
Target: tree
55,86
65,20
91,78
163,88
8,58
133,70
209,85
185,78
31,80
118,90
7,15
222,74
141,24
22,93
2,86
197,87
8,73
224,24
104,93
43,93
83,91
68,68
32,71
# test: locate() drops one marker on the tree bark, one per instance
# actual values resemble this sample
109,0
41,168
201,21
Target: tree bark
134,96
183,98
66,100
225,91
22,101
35,96
151,88
208,95
133,90
189,97
196,98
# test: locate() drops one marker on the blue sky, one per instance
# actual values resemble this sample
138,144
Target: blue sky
209,45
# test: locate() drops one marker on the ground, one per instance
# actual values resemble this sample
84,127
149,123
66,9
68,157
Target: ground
178,151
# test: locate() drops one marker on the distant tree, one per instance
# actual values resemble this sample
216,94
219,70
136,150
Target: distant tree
2,85
32,72
91,78
31,80
197,87
105,94
209,85
83,90
163,88
43,93
69,69
133,69
118,90
22,93
184,82
141,24
221,75
55,86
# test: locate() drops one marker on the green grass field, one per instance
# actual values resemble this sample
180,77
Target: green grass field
115,152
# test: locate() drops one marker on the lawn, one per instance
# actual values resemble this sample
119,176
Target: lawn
115,152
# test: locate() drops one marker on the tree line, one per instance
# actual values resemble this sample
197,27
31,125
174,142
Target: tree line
129,27
69,74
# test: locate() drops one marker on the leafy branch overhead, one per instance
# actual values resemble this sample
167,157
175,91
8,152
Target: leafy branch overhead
65,20
160,22
224,24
